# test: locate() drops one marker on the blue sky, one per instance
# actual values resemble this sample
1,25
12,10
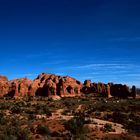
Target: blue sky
85,39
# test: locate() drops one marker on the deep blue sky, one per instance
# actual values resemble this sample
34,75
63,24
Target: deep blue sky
86,39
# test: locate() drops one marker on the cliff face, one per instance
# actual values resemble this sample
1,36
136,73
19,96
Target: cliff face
43,85
51,85
4,85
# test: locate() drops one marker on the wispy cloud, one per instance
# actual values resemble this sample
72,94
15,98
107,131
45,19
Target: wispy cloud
100,65
106,72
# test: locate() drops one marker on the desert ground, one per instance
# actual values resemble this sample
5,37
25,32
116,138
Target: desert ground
86,117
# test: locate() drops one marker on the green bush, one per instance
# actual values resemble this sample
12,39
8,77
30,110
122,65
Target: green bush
43,130
119,117
3,120
15,109
43,109
107,116
5,105
107,128
69,101
75,125
14,132
31,117
134,125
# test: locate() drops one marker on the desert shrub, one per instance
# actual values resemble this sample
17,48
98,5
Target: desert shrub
116,105
43,130
3,120
69,101
31,117
50,100
84,101
134,125
98,114
29,111
14,133
15,109
23,134
41,98
107,116
103,106
5,105
107,128
28,98
12,130
5,137
42,109
108,138
20,103
120,117
75,125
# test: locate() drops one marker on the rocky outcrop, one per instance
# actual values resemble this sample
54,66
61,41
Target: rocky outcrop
120,90
88,87
44,85
134,91
3,78
19,87
101,88
87,83
54,86
4,86
108,90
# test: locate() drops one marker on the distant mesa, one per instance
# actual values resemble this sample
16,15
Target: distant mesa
54,86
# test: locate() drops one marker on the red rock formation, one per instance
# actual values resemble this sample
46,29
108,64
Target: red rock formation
101,88
54,86
87,83
19,87
108,91
134,91
13,88
119,90
3,78
4,88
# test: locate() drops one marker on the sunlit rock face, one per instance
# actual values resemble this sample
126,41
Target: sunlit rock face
3,78
51,85
4,86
